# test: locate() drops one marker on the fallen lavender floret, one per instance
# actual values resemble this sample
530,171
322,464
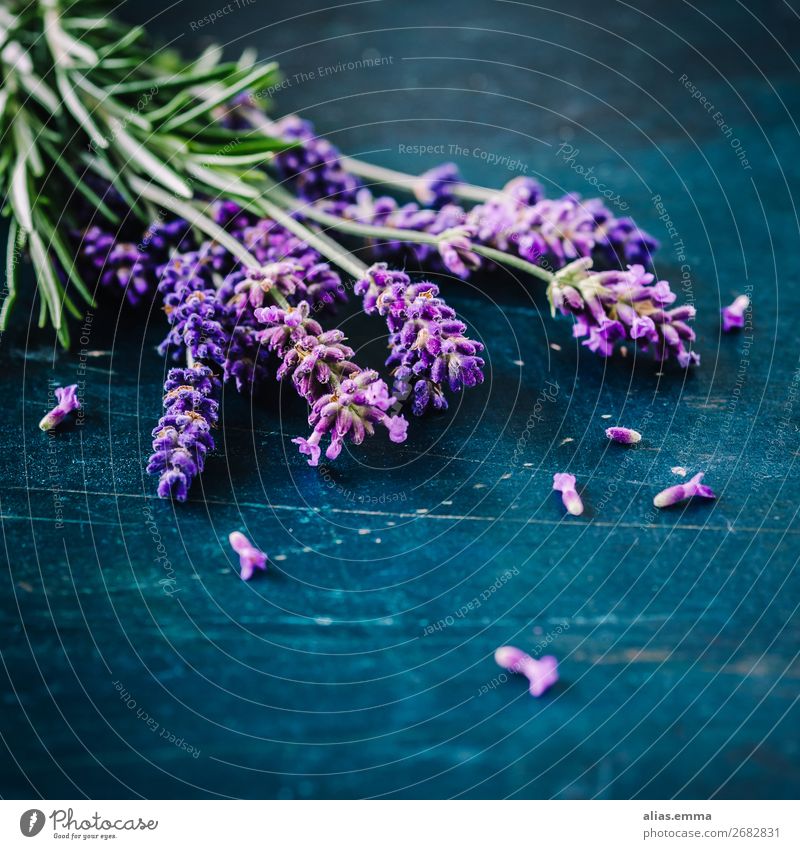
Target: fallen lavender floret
250,557
682,491
346,401
427,344
541,674
564,483
611,306
624,435
182,437
733,315
67,402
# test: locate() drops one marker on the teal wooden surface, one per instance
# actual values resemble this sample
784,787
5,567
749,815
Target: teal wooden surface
361,665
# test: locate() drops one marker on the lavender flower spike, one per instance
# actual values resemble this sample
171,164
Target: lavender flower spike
733,315
428,347
624,435
67,402
182,437
675,494
542,673
565,484
346,401
250,557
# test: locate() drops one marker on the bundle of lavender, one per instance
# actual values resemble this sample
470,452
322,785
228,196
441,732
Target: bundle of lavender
129,170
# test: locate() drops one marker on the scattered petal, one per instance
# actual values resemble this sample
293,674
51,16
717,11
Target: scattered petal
541,674
682,491
624,435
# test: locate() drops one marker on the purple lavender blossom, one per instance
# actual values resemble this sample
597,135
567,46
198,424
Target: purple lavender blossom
435,186
675,494
346,402
541,674
427,344
733,315
130,265
313,168
67,402
610,306
250,557
624,435
564,483
182,437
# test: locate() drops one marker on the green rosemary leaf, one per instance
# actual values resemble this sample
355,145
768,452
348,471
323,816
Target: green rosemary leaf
209,58
80,184
176,80
195,217
26,145
64,257
13,252
79,112
20,197
138,154
46,277
109,105
40,92
257,77
102,166
121,44
241,146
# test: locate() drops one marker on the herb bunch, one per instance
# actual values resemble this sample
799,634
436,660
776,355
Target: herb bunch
126,167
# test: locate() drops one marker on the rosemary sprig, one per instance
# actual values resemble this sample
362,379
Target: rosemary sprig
72,79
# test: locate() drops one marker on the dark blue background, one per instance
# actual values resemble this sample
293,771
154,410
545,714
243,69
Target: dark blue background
676,631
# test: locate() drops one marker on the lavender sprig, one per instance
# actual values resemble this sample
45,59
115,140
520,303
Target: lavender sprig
346,401
427,345
183,437
610,306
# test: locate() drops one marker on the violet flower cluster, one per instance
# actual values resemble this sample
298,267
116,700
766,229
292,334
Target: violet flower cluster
519,219
346,401
613,306
427,343
183,437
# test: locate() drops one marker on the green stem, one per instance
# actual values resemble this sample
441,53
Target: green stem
319,241
370,231
407,182
187,210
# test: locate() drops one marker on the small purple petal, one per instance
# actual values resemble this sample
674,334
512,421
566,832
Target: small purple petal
67,402
541,674
250,557
676,494
733,315
565,484
624,435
